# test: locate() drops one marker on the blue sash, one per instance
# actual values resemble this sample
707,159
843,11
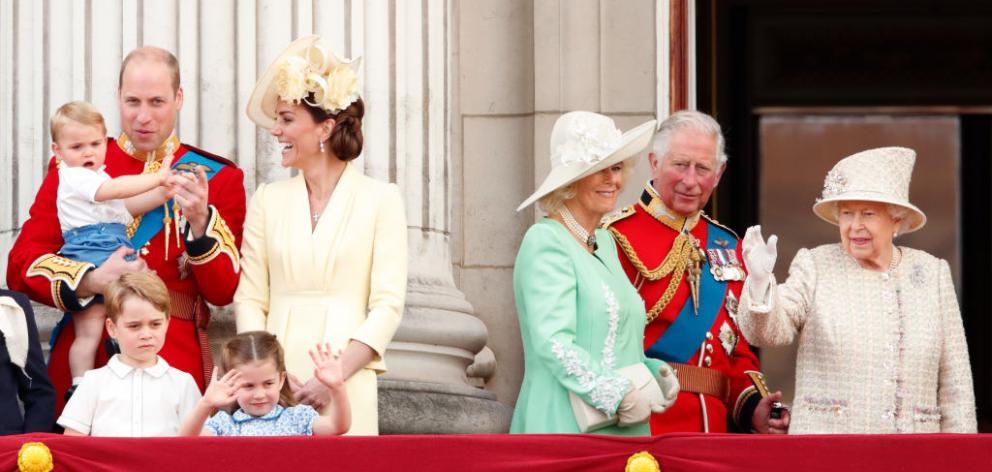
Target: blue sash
684,336
151,222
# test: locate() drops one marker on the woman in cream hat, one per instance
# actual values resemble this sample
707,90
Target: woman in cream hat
580,319
324,253
881,343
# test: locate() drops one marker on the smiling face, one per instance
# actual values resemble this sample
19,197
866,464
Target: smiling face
80,145
596,194
299,135
261,383
140,330
148,102
866,231
687,174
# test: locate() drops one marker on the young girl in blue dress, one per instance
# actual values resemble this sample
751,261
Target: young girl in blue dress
255,378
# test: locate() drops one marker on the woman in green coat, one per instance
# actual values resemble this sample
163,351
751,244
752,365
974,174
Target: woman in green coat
580,319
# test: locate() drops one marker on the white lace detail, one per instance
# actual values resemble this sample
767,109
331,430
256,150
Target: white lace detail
590,145
613,309
604,391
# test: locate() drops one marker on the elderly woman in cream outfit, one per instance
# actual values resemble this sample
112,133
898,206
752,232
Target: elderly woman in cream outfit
881,343
324,253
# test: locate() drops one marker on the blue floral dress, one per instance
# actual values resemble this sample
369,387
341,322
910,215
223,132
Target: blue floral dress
293,421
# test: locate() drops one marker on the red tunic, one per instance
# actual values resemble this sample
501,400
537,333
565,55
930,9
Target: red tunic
649,240
211,265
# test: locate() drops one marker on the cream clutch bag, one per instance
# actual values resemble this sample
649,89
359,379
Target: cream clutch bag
589,418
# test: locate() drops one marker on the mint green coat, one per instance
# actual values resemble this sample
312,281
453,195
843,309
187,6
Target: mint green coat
581,320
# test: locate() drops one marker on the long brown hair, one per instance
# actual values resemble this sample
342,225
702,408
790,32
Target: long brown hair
252,346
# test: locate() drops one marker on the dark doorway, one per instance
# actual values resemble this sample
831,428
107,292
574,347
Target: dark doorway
871,59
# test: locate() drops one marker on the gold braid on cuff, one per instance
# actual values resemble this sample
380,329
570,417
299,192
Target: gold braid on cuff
225,243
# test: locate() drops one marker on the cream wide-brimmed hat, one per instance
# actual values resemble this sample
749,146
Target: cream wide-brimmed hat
583,143
876,175
306,66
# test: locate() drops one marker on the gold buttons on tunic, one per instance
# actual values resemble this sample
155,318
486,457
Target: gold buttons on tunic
709,336
708,361
709,348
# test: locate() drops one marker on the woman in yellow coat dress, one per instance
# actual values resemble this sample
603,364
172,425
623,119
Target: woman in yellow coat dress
324,252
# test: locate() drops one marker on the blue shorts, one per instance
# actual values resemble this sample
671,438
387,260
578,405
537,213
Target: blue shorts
94,243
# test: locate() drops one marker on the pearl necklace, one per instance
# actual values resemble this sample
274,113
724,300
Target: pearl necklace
576,229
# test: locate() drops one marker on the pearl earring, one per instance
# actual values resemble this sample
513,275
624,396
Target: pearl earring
321,147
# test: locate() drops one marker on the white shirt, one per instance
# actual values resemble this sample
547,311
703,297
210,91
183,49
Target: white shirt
120,400
76,205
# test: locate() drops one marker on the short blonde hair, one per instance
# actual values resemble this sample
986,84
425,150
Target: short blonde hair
145,286
553,201
80,112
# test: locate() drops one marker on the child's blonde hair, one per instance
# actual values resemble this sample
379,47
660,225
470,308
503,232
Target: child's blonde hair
145,286
251,346
79,112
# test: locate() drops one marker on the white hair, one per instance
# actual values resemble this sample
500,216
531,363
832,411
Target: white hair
896,212
688,119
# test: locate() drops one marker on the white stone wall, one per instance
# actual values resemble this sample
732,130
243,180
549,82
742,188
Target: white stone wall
55,51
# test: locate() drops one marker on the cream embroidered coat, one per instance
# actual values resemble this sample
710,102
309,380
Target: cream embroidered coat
345,280
878,353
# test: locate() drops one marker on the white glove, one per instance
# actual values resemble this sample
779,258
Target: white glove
634,408
759,258
669,388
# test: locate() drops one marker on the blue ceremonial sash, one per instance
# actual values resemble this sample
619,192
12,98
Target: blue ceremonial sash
151,222
684,336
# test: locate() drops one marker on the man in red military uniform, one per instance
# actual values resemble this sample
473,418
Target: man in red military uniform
191,242
688,270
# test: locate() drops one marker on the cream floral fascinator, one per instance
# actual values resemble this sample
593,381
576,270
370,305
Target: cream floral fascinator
307,66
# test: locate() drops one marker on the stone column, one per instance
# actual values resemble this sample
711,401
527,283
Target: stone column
429,387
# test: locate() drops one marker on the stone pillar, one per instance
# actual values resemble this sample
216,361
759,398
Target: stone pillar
428,387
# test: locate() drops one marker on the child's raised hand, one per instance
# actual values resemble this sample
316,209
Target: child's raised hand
165,172
328,366
223,391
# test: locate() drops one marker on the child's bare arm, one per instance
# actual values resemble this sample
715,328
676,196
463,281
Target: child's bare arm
220,393
147,201
72,432
330,373
127,186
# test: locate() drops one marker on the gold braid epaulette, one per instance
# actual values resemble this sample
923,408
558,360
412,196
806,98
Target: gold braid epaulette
674,264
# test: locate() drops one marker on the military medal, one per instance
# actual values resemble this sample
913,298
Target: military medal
732,303
724,265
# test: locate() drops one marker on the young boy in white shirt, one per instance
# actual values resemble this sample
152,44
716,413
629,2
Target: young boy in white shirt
136,393
94,209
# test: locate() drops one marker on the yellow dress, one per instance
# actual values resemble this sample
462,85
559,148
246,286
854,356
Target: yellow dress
344,280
